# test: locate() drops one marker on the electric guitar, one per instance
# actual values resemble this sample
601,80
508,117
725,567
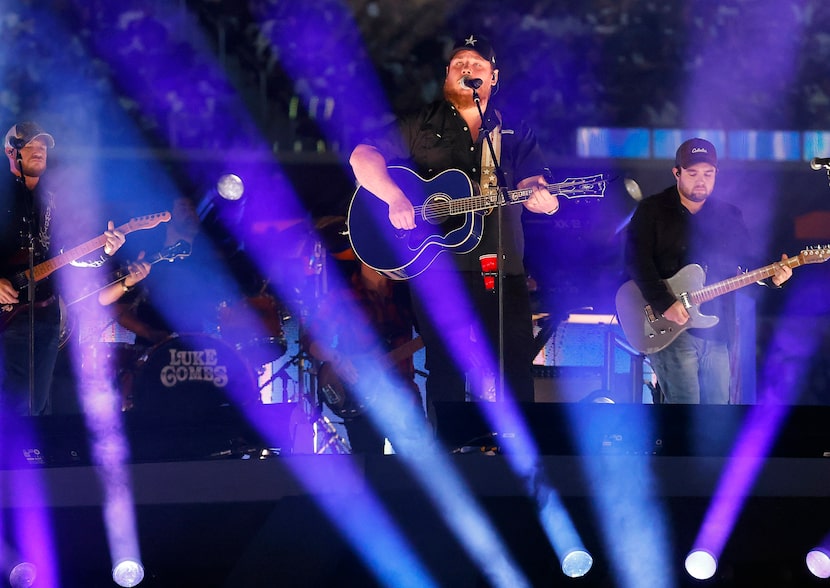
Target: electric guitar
448,213
41,271
346,402
179,250
648,331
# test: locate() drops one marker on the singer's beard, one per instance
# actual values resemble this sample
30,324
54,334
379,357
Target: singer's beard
458,96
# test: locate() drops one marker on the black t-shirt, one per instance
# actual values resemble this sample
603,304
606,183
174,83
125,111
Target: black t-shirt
663,237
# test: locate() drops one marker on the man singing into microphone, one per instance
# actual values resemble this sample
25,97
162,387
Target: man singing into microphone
446,135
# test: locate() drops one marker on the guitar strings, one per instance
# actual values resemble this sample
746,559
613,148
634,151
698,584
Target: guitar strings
442,208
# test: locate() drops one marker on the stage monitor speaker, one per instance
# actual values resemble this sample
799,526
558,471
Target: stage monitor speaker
633,429
64,440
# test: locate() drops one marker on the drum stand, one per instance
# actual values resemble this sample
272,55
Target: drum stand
327,437
317,268
280,374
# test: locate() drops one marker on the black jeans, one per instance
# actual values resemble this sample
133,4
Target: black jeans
460,331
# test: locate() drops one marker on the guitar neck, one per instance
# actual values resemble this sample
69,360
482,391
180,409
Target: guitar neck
712,291
43,270
46,268
123,272
522,195
404,351
570,188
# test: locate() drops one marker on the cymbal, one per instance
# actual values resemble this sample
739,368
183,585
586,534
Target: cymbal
325,221
334,235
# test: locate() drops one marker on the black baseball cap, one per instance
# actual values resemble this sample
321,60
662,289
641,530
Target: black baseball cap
477,43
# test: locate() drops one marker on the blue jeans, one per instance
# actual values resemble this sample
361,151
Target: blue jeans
14,347
693,370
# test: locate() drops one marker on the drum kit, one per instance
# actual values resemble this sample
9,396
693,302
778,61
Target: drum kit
240,350
191,372
235,355
185,374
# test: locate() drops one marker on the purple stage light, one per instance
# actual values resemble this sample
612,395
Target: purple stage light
23,575
818,562
127,573
701,564
230,187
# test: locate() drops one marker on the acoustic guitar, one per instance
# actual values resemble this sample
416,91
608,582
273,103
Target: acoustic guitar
449,215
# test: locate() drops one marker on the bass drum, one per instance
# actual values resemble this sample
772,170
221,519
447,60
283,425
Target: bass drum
188,374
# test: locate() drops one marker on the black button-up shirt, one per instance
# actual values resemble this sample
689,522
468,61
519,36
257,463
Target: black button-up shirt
437,138
17,203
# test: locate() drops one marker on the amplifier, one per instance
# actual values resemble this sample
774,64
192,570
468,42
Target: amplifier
566,383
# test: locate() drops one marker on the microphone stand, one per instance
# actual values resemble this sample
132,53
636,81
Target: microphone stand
502,199
30,237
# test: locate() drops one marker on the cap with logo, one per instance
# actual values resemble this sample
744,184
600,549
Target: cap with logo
24,133
694,151
475,43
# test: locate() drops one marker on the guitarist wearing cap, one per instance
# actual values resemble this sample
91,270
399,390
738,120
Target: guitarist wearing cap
31,215
450,298
679,232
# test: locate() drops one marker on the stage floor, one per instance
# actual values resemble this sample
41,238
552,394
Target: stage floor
209,518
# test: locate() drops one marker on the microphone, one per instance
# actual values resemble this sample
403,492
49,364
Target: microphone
472,83
820,162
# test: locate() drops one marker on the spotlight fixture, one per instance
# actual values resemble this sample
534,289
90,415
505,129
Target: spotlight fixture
128,572
633,189
223,199
818,562
577,563
23,575
230,187
701,564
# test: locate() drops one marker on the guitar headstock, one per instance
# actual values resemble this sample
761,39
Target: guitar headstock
584,187
177,251
815,254
148,221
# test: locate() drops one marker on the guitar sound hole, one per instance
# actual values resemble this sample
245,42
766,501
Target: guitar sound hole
436,209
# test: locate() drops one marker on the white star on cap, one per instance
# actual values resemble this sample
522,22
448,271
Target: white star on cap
471,40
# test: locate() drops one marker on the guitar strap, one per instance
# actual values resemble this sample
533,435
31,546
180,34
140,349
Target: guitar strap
488,181
44,233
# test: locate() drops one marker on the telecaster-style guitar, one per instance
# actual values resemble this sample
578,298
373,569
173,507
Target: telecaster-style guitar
43,270
648,331
449,215
346,401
